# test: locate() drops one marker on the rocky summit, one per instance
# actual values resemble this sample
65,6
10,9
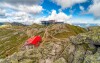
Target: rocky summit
13,36
61,43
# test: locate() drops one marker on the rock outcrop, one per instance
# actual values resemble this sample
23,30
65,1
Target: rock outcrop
83,48
12,38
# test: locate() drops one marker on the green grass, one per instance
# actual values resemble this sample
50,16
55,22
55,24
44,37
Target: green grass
10,45
12,39
72,31
4,32
64,35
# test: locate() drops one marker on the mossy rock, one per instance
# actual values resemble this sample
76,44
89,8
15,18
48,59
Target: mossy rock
60,60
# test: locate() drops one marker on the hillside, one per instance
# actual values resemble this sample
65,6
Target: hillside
83,48
12,38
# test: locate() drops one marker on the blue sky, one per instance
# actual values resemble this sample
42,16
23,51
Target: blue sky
69,11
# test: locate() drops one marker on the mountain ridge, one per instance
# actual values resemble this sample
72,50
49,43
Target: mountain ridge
15,36
82,48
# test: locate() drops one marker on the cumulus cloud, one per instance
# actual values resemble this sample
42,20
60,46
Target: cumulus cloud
30,9
29,6
95,8
81,8
2,12
77,20
16,14
24,2
35,9
21,17
61,16
67,3
20,10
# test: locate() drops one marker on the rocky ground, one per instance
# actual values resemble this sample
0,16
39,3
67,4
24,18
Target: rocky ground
12,38
83,48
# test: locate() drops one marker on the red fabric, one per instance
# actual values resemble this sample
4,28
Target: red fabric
34,40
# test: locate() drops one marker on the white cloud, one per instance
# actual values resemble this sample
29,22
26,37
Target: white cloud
59,17
16,14
95,8
55,16
81,8
23,13
67,3
96,1
31,9
21,17
2,12
24,2
29,6
35,9
85,20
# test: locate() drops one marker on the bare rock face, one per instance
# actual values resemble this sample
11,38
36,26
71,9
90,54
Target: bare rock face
95,58
83,48
50,52
60,60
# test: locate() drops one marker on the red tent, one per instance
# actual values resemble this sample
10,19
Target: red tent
34,40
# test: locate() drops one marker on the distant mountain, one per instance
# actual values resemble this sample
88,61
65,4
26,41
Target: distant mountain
1,23
13,23
17,24
85,25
